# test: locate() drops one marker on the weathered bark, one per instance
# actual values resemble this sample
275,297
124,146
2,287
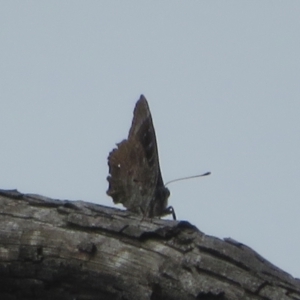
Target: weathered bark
51,249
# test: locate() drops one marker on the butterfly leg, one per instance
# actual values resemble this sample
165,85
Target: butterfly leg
170,211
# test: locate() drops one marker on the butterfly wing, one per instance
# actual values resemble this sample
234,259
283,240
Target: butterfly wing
142,129
134,166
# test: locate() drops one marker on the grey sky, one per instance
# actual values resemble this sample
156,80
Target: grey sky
222,82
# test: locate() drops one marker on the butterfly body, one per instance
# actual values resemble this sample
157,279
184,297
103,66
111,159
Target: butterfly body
135,178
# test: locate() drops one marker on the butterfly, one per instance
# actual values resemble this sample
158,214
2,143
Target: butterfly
135,178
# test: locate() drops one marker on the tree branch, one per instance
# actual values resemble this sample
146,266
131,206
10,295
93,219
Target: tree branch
52,249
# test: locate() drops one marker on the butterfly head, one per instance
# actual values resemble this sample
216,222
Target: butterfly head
160,204
162,194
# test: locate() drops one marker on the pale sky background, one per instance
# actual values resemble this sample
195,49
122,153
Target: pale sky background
222,81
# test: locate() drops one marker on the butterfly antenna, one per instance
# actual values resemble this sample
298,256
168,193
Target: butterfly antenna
189,177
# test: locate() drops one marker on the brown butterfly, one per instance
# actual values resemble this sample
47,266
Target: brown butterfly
135,178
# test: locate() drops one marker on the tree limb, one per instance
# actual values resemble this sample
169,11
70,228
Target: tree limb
52,249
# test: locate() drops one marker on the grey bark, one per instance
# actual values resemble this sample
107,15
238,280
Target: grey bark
52,249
